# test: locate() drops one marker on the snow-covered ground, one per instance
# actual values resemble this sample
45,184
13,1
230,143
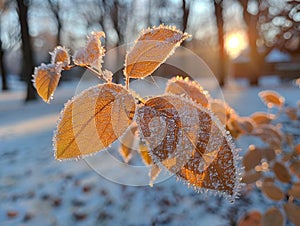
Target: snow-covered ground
35,189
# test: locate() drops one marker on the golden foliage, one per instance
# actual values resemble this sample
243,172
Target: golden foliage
271,98
262,117
45,80
127,142
152,49
93,120
60,55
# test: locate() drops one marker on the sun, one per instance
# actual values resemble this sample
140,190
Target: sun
235,43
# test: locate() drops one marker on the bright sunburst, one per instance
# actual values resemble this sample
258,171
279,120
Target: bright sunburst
235,43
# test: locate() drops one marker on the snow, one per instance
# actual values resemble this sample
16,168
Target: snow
42,191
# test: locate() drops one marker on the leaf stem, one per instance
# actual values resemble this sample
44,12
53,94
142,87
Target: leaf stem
98,74
127,82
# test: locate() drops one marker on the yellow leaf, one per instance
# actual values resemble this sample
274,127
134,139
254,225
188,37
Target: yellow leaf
187,88
271,98
189,142
93,120
45,80
281,172
272,217
152,49
272,191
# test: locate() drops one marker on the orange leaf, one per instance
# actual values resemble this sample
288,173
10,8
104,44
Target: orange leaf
262,117
292,211
60,55
281,172
152,49
92,54
154,172
127,142
189,142
271,98
45,80
187,88
272,217
93,120
272,191
144,153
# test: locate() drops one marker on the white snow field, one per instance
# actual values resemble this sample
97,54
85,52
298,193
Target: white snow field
35,189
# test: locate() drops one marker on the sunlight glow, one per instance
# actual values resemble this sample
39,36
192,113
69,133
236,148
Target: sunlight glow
235,43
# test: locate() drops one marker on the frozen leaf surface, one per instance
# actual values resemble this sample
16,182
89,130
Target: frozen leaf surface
187,140
93,120
151,49
60,55
45,80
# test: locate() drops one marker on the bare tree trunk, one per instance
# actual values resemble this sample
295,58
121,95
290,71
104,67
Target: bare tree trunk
26,49
2,68
55,8
186,12
222,54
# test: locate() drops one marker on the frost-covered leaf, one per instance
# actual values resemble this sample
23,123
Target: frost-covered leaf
151,49
271,98
222,110
272,191
92,54
190,142
252,158
262,117
187,88
272,217
292,211
93,120
281,172
127,142
45,80
251,176
60,55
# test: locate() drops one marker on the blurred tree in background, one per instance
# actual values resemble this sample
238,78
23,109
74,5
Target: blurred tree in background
34,27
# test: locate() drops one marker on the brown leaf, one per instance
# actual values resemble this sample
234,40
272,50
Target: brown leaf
179,131
252,158
272,217
268,153
295,191
251,177
281,172
297,149
295,167
262,117
45,80
222,110
60,55
271,98
93,120
269,134
272,191
292,211
252,218
187,88
152,49
246,124
291,113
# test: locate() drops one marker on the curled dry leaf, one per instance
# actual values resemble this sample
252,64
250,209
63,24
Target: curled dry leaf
272,217
292,211
251,176
189,142
262,117
45,80
151,49
127,142
92,54
272,191
295,191
252,158
187,88
60,55
281,172
93,120
271,98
